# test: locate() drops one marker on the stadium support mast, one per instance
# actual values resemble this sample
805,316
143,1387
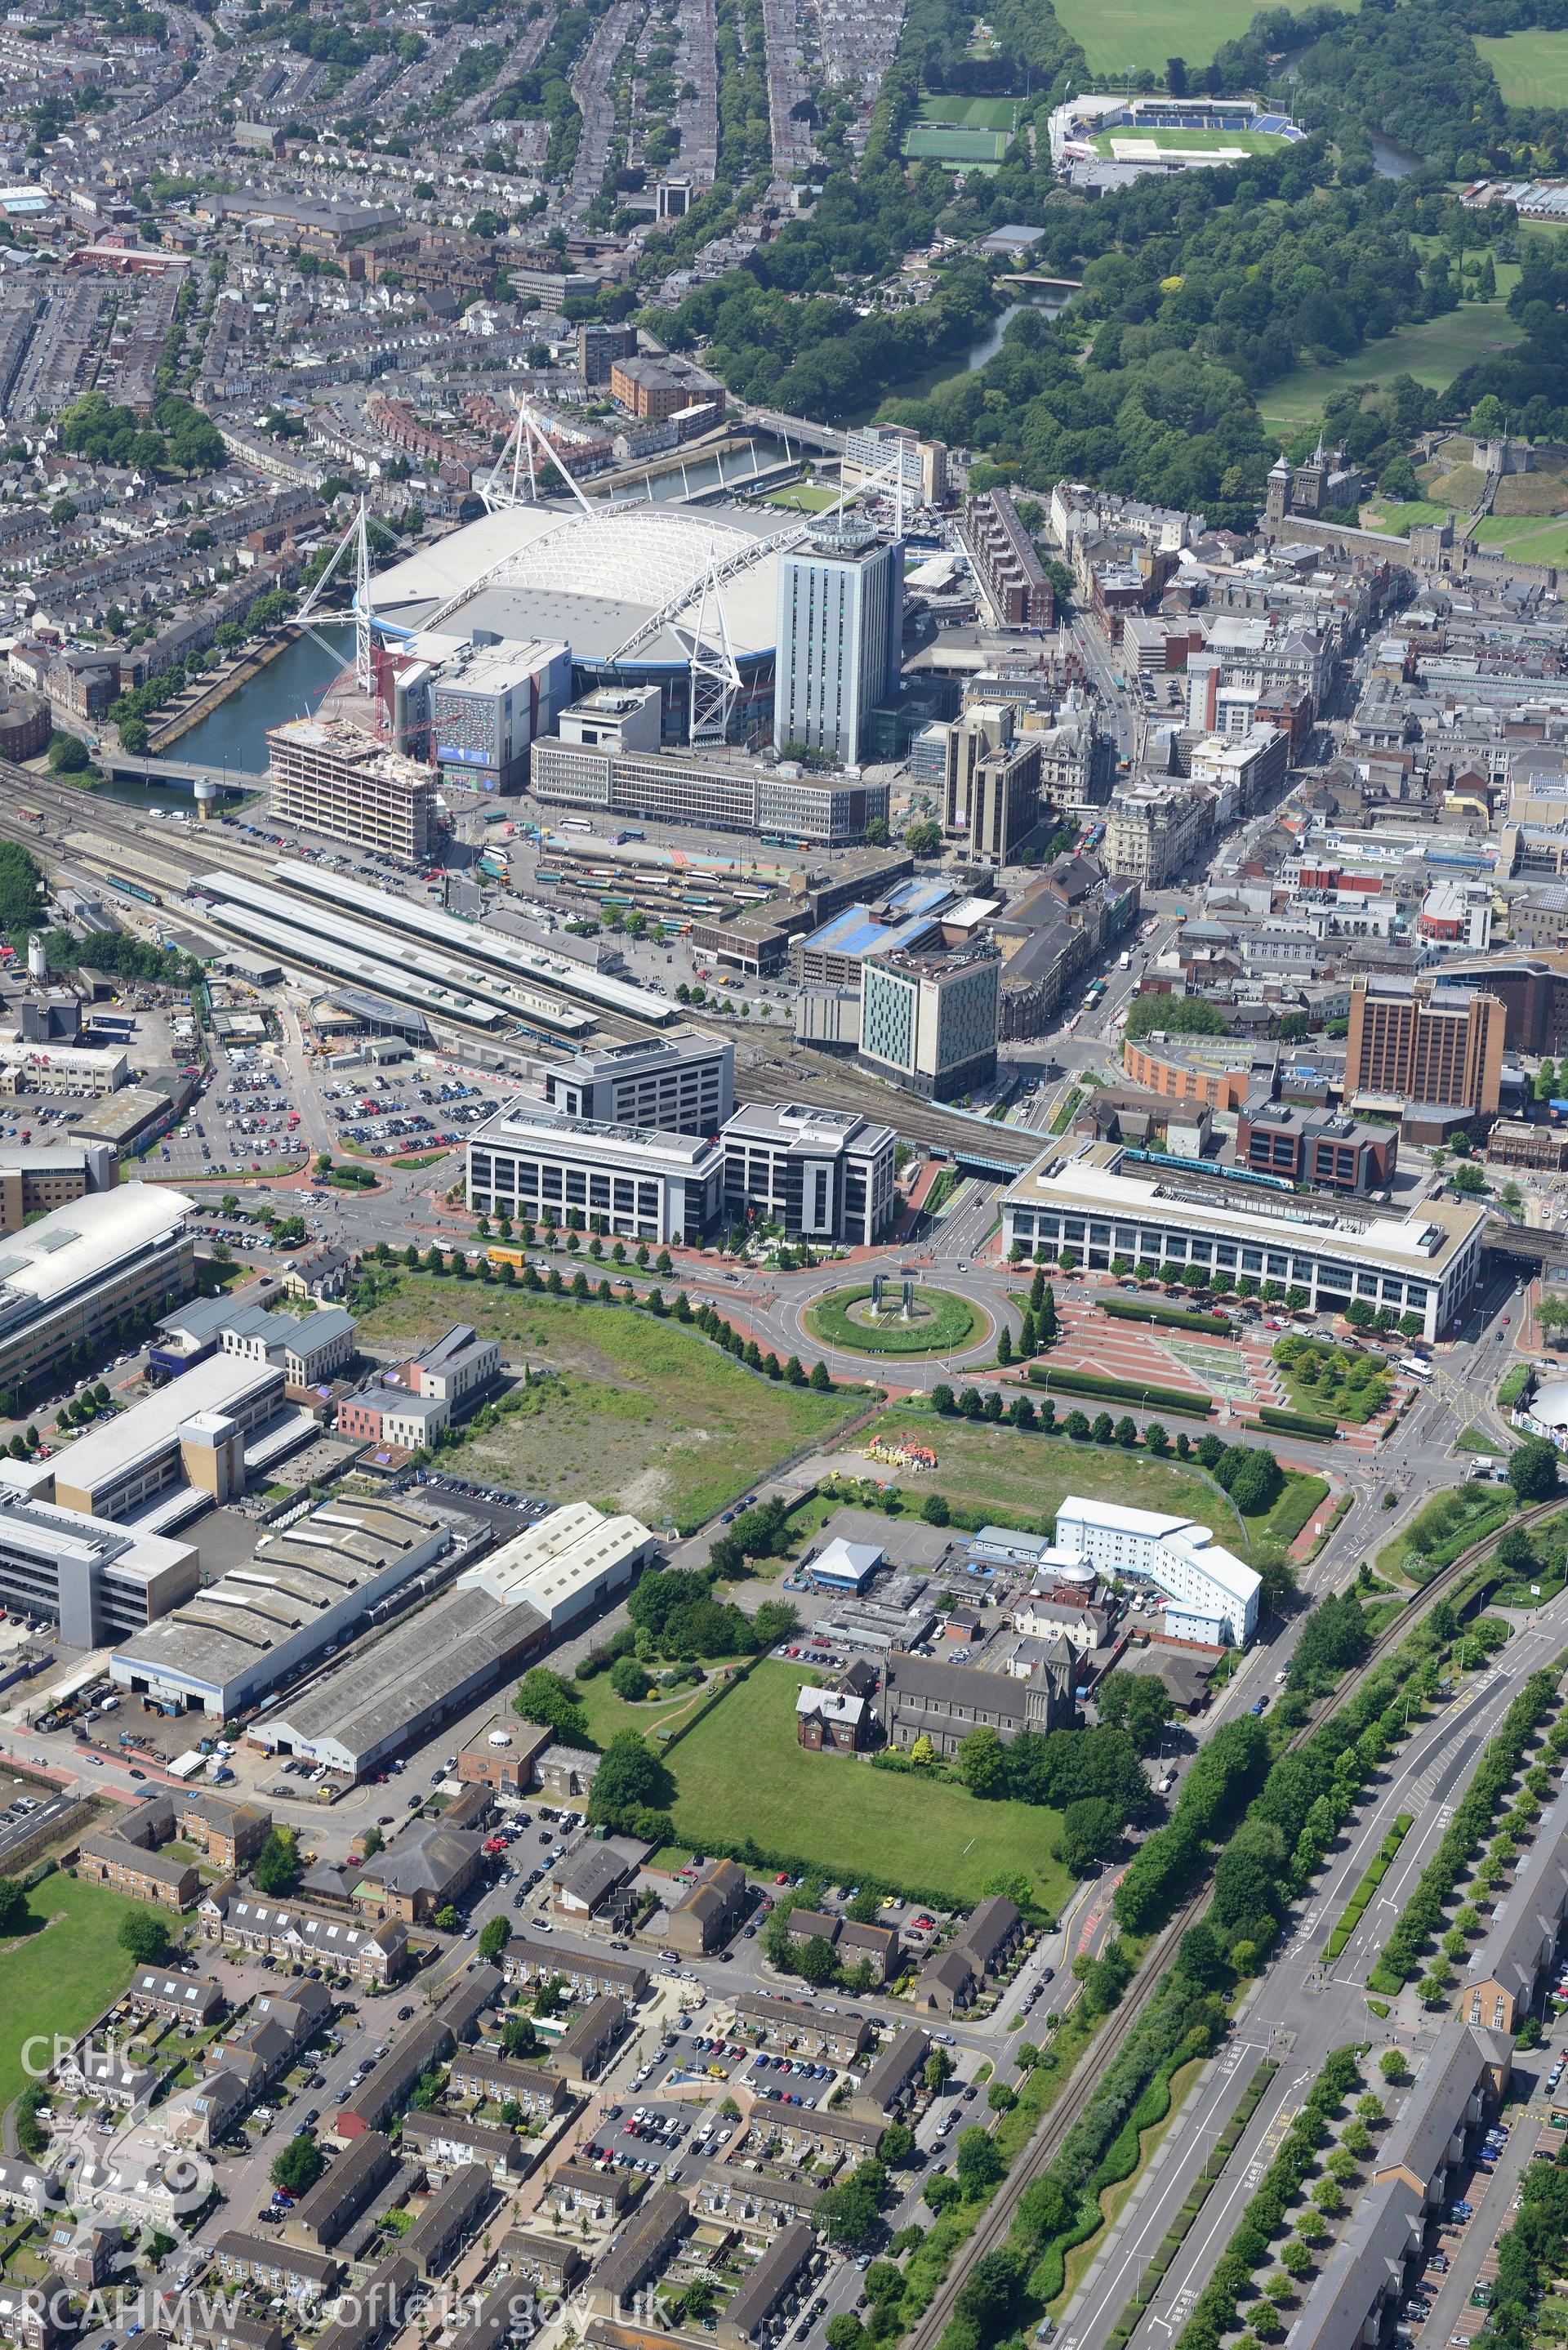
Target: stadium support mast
503,489
358,538
715,674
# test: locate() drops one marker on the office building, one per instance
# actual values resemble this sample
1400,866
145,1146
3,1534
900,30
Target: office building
329,778
680,1083
1010,574
891,452
489,702
96,1582
720,792
840,637
85,1273
305,1592
27,1067
1085,1198
163,1445
928,1020
823,1175
991,783
1154,829
632,1182
1211,1595
310,1348
40,1177
1320,1149
1416,1044
306,1347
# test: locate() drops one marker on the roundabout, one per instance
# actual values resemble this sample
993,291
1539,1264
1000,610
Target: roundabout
889,1316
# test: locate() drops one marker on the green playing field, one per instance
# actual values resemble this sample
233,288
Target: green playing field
943,142
1532,67
1119,36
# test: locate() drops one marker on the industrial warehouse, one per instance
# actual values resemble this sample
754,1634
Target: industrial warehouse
498,1616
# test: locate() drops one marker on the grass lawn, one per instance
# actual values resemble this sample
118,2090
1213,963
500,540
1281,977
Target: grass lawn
608,1713
1434,352
1022,1480
1301,1496
60,1974
740,1773
644,1416
1119,36
1527,537
804,497
943,1322
1532,67
973,113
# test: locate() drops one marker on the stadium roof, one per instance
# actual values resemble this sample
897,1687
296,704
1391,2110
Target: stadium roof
590,579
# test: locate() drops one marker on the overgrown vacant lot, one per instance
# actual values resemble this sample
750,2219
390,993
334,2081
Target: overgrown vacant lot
1024,1479
642,1415
741,1773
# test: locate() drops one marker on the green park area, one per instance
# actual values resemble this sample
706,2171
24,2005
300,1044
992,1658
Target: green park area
62,1971
938,1321
1434,351
621,1409
1127,36
973,113
1531,66
741,1772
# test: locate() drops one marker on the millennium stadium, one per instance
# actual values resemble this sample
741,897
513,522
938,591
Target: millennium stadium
640,593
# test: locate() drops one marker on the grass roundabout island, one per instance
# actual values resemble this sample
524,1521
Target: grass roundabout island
936,1322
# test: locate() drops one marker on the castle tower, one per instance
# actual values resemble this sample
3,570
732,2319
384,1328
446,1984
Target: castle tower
1277,491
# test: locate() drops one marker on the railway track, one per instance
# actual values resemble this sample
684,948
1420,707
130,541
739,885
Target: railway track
996,2222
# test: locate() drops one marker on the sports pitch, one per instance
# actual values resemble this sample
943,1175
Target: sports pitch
1122,142
943,142
961,130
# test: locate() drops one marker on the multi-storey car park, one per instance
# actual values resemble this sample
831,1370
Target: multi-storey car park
1084,1197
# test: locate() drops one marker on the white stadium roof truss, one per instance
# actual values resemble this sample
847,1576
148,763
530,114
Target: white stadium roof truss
595,549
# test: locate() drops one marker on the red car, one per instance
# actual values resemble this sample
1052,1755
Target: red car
783,1877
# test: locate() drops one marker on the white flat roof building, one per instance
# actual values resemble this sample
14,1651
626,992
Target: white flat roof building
1211,1595
84,1268
117,1466
1083,1197
537,1166
85,1069
570,1561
